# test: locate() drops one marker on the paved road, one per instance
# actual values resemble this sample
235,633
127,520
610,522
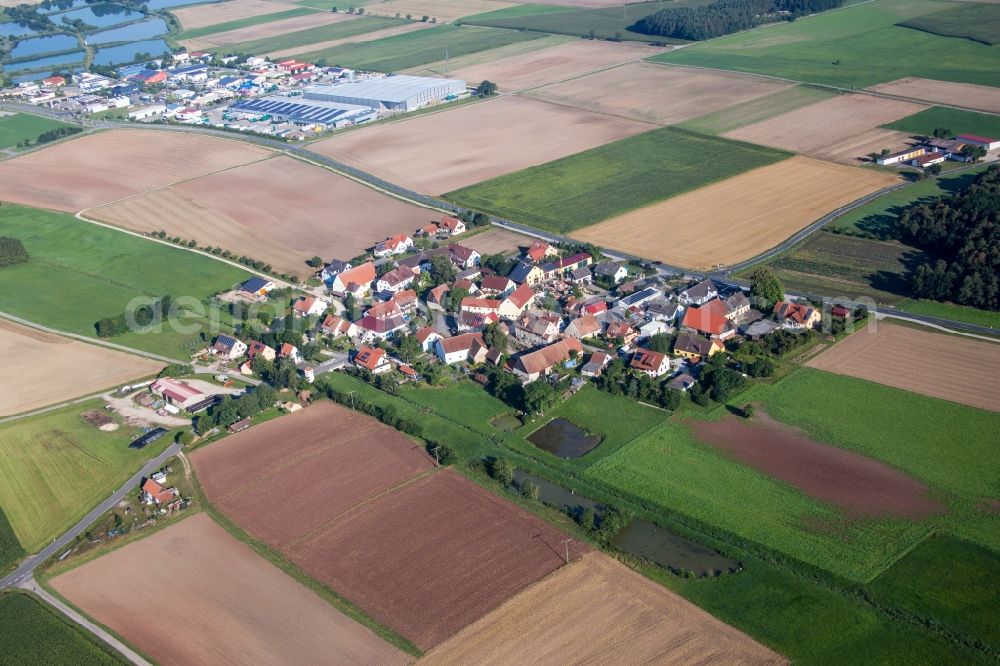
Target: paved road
26,569
32,586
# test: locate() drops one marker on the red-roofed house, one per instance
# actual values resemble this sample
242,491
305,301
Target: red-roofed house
154,493
406,300
372,359
796,315
452,225
466,347
497,285
710,319
395,280
309,305
986,142
255,349
361,276
533,365
539,250
397,244
652,363
427,336
537,329
54,81
289,350
517,302
622,330
584,327
436,296
480,305
338,327
594,307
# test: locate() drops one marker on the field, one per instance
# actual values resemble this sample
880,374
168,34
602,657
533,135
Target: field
433,556
10,547
960,122
19,127
843,128
739,218
951,311
656,94
408,153
287,212
497,240
896,356
599,610
289,40
756,110
268,30
548,65
245,472
981,97
55,467
30,633
978,22
290,11
444,11
215,600
36,375
79,273
200,16
393,54
600,183
853,48
106,166
385,30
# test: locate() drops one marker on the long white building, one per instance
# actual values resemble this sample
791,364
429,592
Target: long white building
392,93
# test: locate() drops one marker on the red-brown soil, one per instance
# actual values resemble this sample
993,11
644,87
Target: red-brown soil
861,486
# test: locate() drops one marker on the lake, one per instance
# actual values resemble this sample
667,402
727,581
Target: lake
116,55
51,44
38,76
130,33
99,16
564,439
671,551
14,30
47,61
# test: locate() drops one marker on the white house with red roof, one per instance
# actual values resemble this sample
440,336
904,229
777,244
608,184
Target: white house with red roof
398,244
466,347
395,281
372,359
309,305
452,225
338,327
153,493
517,302
289,350
357,281
427,337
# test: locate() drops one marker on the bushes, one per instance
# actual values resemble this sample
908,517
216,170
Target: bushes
141,317
57,133
12,251
387,415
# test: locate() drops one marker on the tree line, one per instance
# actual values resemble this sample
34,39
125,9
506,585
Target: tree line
723,17
142,317
960,234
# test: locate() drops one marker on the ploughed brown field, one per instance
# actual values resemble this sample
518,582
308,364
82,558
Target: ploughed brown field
496,240
737,218
443,10
193,594
330,43
657,93
103,167
899,356
445,151
969,95
266,30
843,128
307,469
200,16
556,63
432,556
281,211
597,610
861,486
36,376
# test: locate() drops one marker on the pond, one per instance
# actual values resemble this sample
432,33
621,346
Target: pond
557,496
52,7
14,30
51,44
126,53
99,16
130,33
671,551
564,439
506,422
48,61
38,76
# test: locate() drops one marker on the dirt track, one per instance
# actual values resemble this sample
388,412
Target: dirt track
903,357
657,93
984,98
281,211
597,610
106,166
861,486
47,369
441,152
737,218
193,594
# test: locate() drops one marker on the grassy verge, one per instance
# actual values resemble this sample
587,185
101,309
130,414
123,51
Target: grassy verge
603,182
31,633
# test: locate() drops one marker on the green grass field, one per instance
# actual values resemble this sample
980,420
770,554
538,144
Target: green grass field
855,47
756,110
978,22
464,402
79,273
951,311
21,126
30,633
10,547
308,36
959,122
399,52
242,23
950,580
597,184
55,467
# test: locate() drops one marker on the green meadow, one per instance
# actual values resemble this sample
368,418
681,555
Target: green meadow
958,121
20,127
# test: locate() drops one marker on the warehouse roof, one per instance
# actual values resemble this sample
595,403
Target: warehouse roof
297,109
397,88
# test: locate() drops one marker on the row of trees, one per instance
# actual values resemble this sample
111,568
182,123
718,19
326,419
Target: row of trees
142,317
617,380
723,17
231,409
12,251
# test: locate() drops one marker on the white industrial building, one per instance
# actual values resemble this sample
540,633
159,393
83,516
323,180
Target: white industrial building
392,93
304,111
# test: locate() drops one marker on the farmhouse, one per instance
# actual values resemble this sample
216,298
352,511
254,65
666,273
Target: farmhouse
902,156
462,256
255,349
695,348
466,347
665,311
595,364
451,225
652,363
229,347
392,93
537,328
395,281
929,159
154,493
621,331
529,367
539,250
712,318
257,286
397,244
517,302
496,285
355,280
177,393
526,273
583,327
406,300
381,322
372,359
796,315
475,322
566,265
289,351
306,306
609,270
480,305
699,294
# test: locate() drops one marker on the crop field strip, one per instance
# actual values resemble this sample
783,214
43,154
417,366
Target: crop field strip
10,547
387,30
32,633
298,38
269,31
979,22
210,15
755,110
246,22
444,11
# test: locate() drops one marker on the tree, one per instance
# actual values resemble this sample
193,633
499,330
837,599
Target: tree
12,251
487,89
933,170
941,132
529,490
184,438
661,342
442,270
315,262
408,347
765,288
538,396
494,337
503,471
973,153
455,297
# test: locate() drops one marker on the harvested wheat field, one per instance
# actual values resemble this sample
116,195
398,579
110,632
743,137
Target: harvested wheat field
200,16
285,464
444,11
36,375
556,63
657,93
496,241
267,30
898,356
433,556
968,95
738,218
106,166
857,149
861,486
285,212
444,151
395,29
193,594
597,610
825,126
